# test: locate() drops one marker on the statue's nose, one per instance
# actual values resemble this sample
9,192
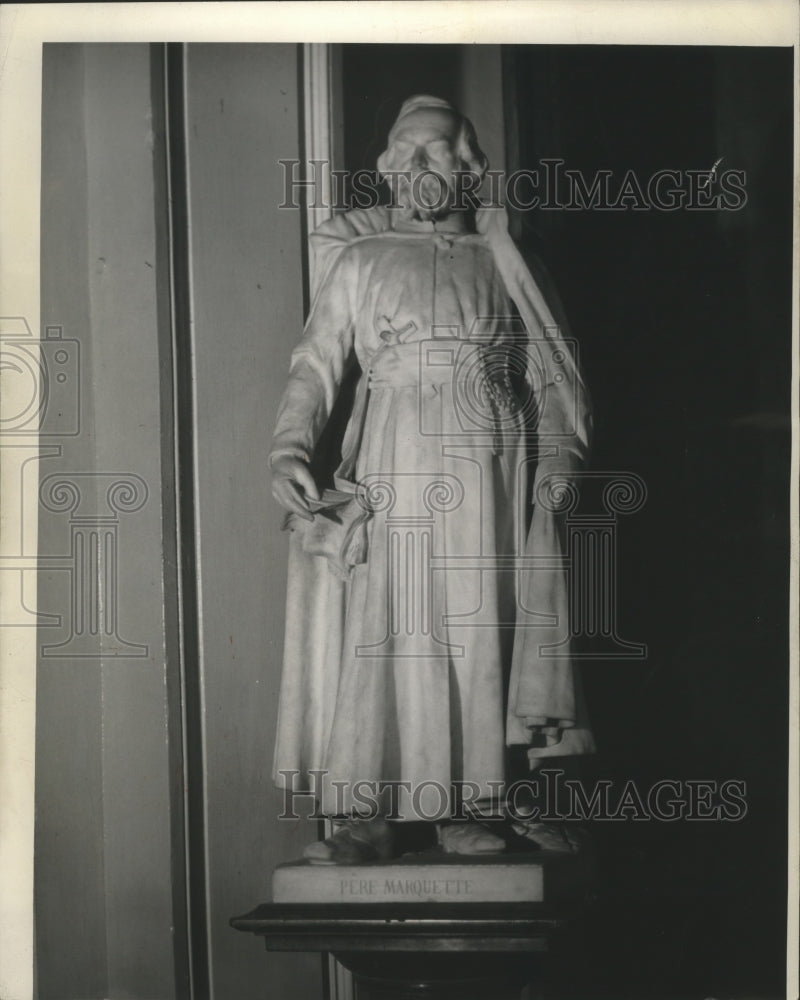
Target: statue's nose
420,159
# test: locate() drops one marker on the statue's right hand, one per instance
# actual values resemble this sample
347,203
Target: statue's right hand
292,482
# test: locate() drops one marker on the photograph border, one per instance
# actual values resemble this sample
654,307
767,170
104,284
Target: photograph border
24,28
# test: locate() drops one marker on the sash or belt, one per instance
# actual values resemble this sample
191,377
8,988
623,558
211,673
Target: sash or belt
428,362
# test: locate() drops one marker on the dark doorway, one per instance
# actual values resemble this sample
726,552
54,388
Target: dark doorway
684,323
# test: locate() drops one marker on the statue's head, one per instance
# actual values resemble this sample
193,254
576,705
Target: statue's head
429,144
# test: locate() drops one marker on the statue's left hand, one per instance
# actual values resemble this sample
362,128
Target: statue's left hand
292,482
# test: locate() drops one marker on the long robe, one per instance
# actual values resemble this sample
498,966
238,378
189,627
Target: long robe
425,662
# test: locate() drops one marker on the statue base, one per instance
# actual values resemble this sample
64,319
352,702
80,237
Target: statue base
435,877
439,948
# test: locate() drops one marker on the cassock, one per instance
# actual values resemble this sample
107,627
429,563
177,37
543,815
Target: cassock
417,658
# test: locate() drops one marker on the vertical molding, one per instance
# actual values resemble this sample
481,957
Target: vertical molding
322,118
323,148
323,129
189,653
169,514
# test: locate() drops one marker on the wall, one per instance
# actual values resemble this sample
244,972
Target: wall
242,117
103,849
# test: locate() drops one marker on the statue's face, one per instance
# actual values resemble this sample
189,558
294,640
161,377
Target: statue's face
423,157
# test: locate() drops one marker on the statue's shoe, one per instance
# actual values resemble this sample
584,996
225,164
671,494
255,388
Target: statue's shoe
468,838
559,838
358,841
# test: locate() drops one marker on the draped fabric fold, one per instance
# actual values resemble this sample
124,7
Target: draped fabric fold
347,715
545,699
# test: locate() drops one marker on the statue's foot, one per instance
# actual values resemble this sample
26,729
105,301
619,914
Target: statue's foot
468,837
559,838
357,841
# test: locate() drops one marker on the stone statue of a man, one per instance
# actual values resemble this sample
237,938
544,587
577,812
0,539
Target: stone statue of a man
415,619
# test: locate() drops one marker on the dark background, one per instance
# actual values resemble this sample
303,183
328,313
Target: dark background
684,325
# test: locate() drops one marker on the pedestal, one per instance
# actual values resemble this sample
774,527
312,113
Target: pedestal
437,950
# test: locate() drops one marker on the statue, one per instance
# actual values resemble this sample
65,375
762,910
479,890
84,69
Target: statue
413,647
